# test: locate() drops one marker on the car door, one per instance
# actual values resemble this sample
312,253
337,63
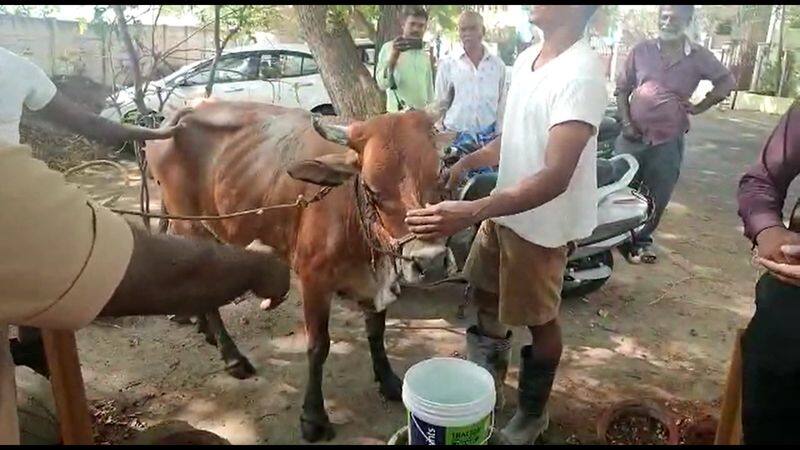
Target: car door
266,87
302,81
235,74
289,79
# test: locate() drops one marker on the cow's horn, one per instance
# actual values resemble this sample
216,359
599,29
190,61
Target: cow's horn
334,133
436,110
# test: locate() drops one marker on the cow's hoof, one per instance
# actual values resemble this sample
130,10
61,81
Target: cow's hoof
241,369
314,431
210,340
392,388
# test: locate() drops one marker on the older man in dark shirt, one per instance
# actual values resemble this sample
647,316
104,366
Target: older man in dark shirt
653,91
771,344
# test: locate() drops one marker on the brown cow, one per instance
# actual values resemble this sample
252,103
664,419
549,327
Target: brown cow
236,156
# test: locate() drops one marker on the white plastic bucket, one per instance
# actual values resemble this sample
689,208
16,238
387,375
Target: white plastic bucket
450,401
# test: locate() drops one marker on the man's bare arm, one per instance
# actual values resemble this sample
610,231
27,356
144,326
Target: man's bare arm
64,111
629,130
487,156
173,275
722,88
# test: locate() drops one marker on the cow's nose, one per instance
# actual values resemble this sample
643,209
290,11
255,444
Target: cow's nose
429,260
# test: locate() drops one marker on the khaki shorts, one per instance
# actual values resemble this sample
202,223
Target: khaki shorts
526,277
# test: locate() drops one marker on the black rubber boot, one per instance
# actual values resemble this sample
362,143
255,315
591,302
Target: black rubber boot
493,355
535,382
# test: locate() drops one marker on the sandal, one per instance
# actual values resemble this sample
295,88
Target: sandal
638,255
647,255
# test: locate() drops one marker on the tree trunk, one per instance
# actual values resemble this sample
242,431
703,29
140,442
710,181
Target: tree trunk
390,24
353,91
363,23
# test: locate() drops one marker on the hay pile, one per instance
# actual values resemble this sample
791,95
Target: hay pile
59,148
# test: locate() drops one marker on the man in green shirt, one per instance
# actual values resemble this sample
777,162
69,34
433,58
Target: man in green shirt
404,71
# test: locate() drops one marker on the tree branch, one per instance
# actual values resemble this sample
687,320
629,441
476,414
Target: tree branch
362,21
217,52
138,97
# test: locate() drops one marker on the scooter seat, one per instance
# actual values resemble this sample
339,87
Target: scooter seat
610,171
481,185
609,129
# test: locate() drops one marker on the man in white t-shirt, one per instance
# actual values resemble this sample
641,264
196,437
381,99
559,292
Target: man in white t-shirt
546,196
66,260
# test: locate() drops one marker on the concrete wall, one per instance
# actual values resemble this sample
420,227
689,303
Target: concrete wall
763,103
69,48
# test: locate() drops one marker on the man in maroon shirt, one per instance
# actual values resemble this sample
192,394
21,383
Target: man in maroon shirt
653,91
771,343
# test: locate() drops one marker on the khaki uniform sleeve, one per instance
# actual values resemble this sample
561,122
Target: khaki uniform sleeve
63,256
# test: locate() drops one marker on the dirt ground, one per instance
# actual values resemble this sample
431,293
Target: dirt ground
662,332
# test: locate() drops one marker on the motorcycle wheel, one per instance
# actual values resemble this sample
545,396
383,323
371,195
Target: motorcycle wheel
590,286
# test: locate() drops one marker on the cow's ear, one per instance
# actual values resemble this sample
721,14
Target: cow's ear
327,170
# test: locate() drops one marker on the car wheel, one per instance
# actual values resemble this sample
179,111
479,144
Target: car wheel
325,110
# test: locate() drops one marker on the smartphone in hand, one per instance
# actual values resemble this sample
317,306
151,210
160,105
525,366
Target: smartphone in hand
404,44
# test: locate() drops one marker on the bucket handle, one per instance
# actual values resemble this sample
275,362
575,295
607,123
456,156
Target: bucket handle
430,442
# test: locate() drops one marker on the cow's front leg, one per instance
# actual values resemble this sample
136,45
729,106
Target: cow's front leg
236,364
314,422
391,386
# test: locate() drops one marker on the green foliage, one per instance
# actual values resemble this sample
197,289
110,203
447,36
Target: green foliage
29,10
338,17
445,17
793,16
640,23
769,79
246,18
724,28
441,17
507,41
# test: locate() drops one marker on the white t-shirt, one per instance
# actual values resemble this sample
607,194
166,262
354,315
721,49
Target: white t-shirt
569,87
21,83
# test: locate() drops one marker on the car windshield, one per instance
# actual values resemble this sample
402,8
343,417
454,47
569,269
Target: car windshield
169,79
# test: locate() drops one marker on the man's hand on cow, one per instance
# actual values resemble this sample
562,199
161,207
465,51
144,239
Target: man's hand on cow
442,219
152,134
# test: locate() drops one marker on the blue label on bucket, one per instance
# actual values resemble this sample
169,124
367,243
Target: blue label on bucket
423,433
